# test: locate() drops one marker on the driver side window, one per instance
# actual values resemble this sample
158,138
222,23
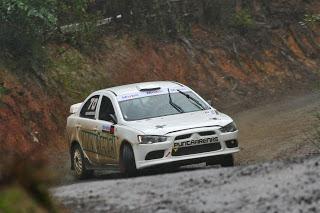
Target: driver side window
106,109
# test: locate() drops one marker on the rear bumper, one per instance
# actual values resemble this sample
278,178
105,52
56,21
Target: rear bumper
141,152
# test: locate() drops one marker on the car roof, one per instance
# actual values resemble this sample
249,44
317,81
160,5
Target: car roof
132,88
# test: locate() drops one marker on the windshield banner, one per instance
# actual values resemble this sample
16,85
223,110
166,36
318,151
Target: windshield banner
142,94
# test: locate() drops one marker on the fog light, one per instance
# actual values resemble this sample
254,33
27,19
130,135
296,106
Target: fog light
232,144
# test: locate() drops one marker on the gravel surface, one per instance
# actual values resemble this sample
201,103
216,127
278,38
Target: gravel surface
268,135
287,186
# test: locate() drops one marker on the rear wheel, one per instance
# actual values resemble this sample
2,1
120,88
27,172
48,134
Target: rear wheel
127,162
79,166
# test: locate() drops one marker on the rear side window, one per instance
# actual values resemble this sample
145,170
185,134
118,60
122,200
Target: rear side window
89,108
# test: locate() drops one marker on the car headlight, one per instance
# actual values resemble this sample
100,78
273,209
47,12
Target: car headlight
150,139
229,128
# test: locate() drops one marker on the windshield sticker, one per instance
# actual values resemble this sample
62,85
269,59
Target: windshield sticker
142,94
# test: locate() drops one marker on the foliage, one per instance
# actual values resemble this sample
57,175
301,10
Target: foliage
77,13
311,19
3,90
25,25
217,13
161,18
243,21
24,177
15,199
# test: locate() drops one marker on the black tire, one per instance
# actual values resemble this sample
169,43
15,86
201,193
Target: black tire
227,161
127,162
79,166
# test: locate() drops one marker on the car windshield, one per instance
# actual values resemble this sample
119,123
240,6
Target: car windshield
160,105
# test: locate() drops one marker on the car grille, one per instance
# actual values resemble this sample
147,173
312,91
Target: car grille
181,137
186,136
196,149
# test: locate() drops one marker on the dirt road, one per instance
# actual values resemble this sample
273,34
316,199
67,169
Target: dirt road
279,130
268,133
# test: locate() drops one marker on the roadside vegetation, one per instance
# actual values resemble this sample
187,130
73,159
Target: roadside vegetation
44,67
28,26
24,182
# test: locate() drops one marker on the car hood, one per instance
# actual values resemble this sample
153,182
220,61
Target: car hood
172,123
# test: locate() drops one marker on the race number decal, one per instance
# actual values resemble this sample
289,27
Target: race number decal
93,104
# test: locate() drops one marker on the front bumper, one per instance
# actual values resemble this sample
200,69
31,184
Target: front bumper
142,150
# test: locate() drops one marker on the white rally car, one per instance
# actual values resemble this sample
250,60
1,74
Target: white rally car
141,125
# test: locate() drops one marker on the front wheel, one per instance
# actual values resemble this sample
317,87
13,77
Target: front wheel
80,170
127,162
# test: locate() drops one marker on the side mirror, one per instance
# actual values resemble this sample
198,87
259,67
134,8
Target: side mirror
209,102
113,118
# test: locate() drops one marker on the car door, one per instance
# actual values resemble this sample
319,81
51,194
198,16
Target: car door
87,128
106,144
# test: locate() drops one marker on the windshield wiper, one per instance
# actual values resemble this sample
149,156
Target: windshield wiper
196,102
177,107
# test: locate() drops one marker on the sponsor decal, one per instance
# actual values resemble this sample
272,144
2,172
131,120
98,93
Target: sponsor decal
100,143
128,97
106,128
90,113
177,145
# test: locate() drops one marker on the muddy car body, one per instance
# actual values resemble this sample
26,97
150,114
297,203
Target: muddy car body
141,125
